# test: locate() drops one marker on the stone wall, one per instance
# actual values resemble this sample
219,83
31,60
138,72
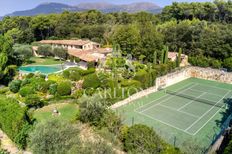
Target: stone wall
210,74
172,78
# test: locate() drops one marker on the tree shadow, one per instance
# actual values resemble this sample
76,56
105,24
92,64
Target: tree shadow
225,113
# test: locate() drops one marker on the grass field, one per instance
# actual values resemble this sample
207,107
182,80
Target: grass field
67,112
44,61
192,120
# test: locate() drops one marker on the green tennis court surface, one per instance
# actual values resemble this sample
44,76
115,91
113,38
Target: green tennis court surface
190,111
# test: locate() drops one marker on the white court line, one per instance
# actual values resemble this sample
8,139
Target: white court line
191,102
166,99
163,97
208,120
196,90
206,113
206,85
192,115
165,123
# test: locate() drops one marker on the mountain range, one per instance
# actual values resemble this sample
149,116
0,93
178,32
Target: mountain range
47,8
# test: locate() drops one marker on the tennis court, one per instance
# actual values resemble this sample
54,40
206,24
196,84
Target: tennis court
190,109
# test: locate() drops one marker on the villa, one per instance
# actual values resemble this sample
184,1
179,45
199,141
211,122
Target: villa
85,50
72,44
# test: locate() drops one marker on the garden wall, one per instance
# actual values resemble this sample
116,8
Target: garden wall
210,74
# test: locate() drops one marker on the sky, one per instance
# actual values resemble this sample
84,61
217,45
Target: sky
9,6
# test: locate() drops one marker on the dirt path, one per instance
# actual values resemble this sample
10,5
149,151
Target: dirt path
8,145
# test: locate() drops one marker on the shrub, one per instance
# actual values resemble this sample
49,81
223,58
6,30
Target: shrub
87,72
98,146
14,86
91,81
199,61
25,82
74,76
25,91
53,89
91,65
21,138
2,151
77,60
56,78
64,88
215,63
142,139
4,90
43,86
92,109
33,101
30,75
130,83
78,94
228,63
66,73
111,121
143,77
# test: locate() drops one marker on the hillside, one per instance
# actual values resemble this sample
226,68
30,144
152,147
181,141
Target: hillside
47,8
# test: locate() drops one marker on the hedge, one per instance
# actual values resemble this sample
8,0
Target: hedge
91,81
33,101
87,72
14,86
143,77
64,88
13,118
25,91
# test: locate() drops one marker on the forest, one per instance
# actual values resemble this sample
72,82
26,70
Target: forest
202,30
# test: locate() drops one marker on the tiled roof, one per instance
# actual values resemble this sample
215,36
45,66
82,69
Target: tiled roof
90,55
67,42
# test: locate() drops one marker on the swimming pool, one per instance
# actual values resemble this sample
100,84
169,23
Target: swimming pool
44,69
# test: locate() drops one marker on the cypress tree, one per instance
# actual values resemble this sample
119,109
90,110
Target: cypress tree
166,55
179,57
155,58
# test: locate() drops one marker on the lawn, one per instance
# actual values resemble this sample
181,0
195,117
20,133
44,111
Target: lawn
44,61
67,112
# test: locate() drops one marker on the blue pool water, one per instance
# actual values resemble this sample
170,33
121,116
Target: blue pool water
41,69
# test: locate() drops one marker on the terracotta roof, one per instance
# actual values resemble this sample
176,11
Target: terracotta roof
83,55
101,50
89,55
67,42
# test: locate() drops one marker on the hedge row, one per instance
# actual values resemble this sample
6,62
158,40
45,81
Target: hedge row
13,118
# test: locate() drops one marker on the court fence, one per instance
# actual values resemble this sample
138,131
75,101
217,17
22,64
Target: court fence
178,76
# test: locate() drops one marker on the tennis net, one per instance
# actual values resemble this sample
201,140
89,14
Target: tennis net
205,101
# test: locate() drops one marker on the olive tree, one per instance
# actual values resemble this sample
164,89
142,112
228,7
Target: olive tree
60,135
